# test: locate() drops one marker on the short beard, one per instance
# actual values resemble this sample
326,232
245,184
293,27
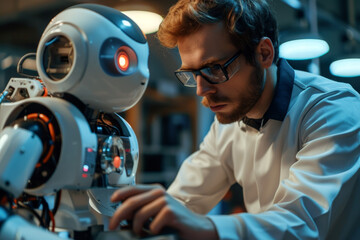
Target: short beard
245,104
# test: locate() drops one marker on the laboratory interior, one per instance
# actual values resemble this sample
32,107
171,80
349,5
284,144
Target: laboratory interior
163,122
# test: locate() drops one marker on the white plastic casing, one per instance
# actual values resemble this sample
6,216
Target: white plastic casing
76,139
20,150
87,79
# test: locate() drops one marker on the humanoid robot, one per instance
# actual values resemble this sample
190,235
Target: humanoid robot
61,137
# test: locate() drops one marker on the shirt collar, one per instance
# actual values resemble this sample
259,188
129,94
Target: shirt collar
282,95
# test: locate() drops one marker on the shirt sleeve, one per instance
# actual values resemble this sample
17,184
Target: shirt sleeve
320,197
203,180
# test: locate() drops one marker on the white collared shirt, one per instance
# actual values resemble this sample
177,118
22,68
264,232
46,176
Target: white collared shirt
300,176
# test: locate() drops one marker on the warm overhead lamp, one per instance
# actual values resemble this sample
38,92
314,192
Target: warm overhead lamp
347,67
303,47
147,21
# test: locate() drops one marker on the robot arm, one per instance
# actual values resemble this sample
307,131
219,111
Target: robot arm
16,227
20,150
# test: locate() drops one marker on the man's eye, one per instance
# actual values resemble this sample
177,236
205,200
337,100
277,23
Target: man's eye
214,70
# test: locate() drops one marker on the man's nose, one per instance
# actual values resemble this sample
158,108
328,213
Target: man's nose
203,87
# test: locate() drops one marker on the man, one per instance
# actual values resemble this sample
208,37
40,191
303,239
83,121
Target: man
289,138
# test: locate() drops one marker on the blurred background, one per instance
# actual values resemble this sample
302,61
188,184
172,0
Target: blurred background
169,120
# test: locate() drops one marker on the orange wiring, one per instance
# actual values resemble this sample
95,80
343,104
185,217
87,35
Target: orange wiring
51,131
45,89
52,220
15,201
45,92
28,198
47,157
3,200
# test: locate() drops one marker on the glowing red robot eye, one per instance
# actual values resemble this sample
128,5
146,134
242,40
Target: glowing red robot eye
123,61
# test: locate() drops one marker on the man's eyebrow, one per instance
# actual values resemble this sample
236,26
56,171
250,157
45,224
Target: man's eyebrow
186,69
208,63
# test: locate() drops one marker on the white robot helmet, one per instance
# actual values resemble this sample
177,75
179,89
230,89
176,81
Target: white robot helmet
96,54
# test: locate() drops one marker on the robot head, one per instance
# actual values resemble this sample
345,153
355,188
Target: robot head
96,54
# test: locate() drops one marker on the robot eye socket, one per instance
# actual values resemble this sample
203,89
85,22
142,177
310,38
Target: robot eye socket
123,61
117,58
58,57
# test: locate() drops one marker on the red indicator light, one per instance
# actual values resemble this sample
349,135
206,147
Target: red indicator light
123,61
117,162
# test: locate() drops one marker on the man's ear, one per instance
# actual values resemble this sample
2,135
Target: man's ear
266,52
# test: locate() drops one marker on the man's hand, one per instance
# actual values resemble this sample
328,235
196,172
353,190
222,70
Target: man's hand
143,202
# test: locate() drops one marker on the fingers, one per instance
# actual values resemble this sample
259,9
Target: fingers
135,199
165,217
150,210
174,218
125,192
141,203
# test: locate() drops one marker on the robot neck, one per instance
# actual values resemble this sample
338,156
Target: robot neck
89,113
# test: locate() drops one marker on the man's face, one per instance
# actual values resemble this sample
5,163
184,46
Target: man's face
233,99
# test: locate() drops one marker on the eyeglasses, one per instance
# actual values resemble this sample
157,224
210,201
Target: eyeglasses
215,74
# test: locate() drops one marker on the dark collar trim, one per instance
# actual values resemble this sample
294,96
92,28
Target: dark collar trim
280,103
254,123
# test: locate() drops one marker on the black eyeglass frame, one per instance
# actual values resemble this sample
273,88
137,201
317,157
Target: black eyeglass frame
198,72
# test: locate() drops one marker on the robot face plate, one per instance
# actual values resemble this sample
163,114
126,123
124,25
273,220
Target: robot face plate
96,54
